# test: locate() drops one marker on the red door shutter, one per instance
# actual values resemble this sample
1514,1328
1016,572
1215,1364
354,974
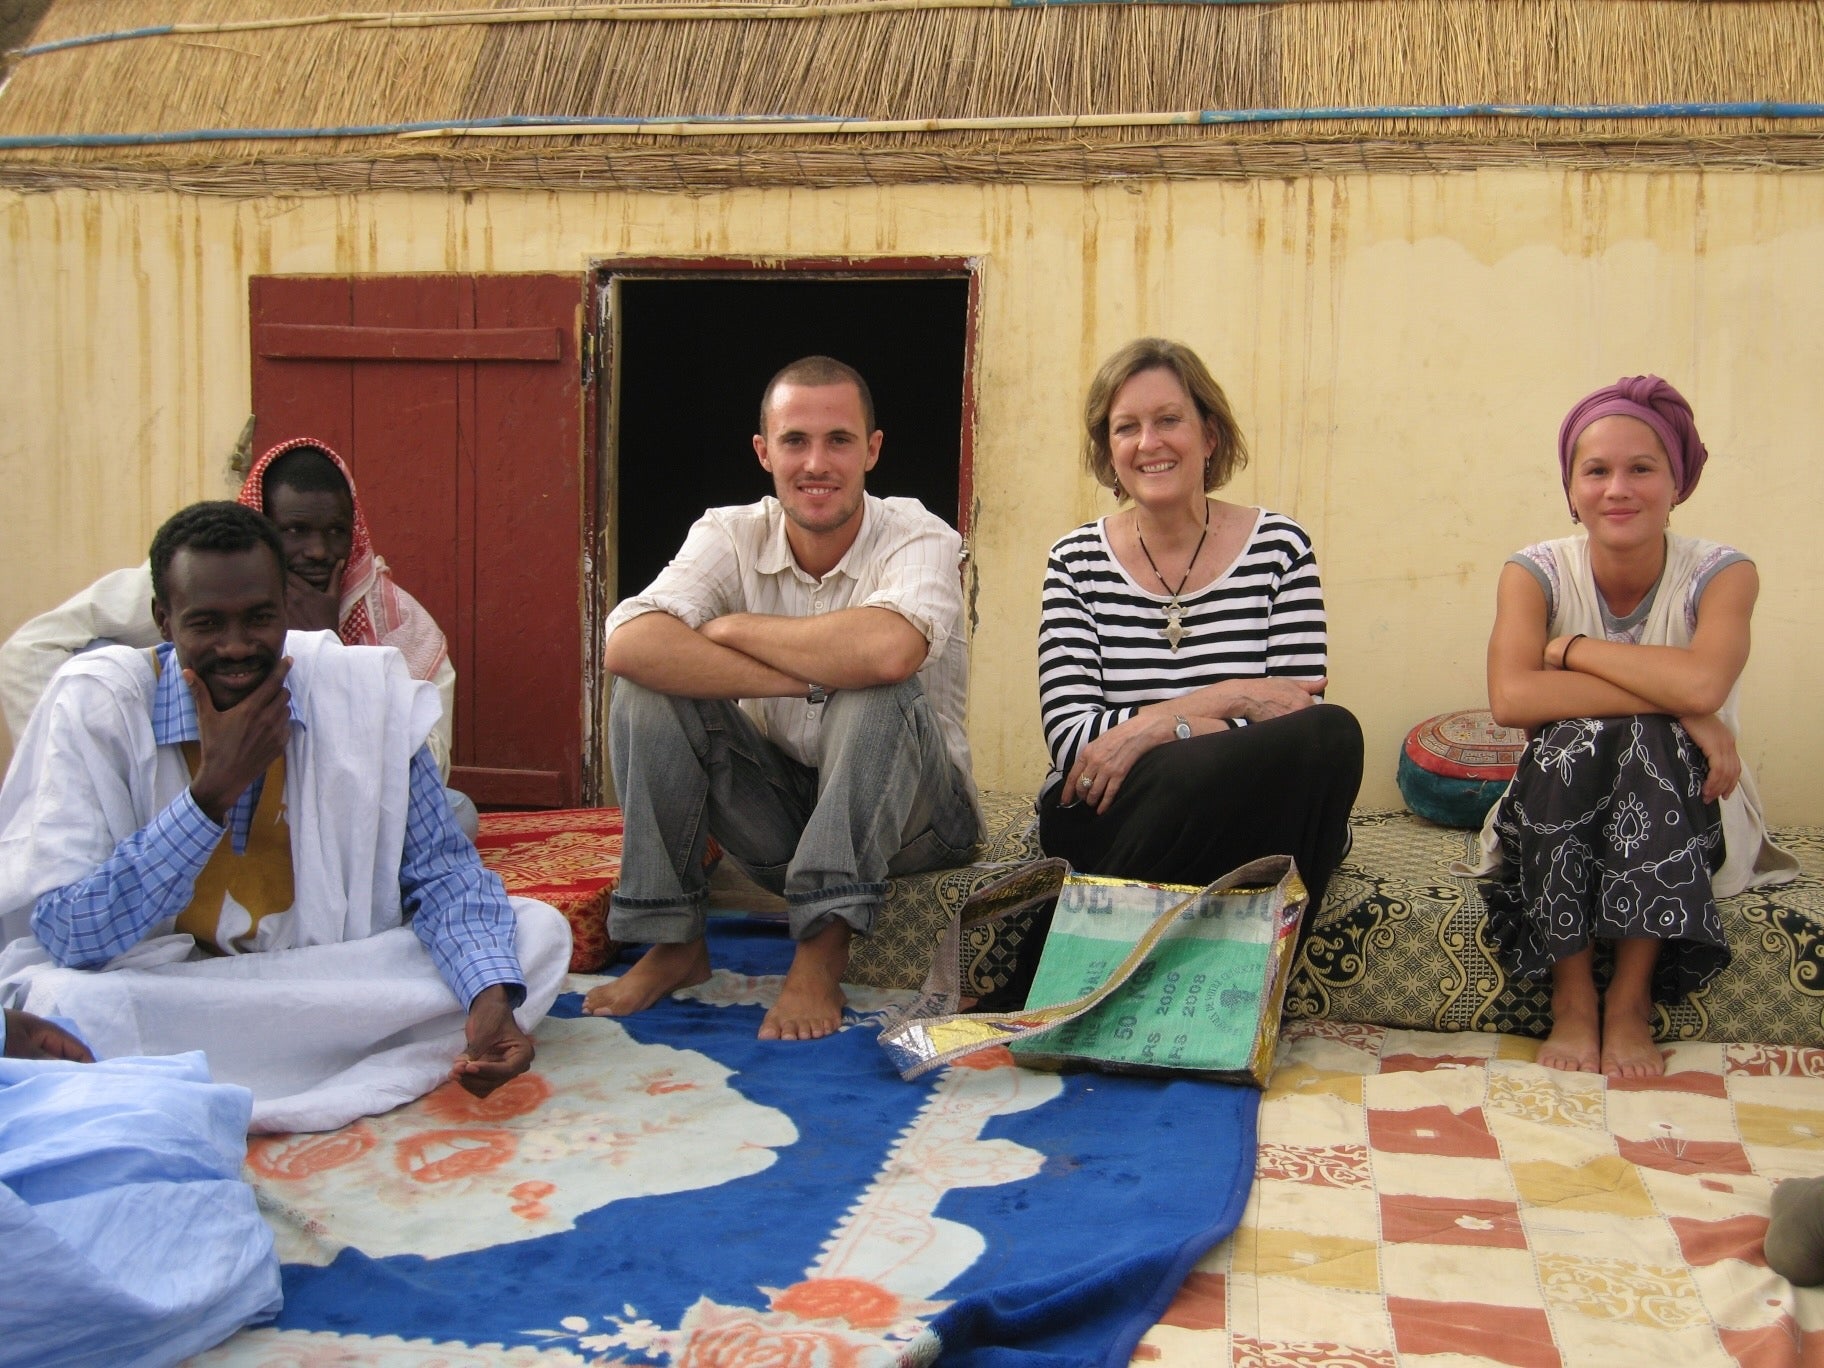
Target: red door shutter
457,402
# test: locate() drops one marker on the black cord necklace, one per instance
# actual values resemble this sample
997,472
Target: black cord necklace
1174,612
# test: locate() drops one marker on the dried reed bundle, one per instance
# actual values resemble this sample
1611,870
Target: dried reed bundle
1077,161
980,71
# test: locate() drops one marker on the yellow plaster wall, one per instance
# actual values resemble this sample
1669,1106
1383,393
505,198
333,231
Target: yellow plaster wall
1399,351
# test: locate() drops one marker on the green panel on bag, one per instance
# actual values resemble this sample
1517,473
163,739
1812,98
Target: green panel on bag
1194,1004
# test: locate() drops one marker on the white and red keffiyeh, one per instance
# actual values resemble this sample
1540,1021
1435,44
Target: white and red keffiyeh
374,610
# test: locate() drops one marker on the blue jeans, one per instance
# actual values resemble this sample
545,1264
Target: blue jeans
886,800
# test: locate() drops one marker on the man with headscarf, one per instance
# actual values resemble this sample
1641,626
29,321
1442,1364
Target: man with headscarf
334,580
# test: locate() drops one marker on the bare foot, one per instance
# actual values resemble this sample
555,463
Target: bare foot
658,973
810,1001
1575,1042
1628,1050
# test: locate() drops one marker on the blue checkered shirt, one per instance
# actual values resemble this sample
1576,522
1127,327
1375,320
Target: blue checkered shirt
457,906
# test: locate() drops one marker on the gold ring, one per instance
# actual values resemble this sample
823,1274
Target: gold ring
1084,783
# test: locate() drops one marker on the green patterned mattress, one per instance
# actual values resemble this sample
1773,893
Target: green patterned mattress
1398,940
920,906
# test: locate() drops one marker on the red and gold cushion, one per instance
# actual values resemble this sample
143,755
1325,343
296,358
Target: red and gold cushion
570,859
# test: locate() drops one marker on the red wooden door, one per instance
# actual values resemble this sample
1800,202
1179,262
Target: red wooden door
457,402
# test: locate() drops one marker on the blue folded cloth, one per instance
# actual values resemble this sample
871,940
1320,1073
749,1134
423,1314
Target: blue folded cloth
126,1232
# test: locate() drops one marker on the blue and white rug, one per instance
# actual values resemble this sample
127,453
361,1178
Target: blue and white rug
667,1189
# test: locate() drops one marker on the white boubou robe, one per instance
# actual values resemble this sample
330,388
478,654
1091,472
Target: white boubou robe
343,1014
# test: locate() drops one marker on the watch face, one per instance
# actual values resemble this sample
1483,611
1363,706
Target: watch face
1183,730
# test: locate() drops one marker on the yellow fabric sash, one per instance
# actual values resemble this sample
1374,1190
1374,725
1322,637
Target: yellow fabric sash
258,878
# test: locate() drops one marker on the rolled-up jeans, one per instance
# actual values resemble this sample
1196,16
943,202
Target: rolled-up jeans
885,800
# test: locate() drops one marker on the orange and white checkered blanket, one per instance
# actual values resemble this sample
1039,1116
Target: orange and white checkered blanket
1441,1200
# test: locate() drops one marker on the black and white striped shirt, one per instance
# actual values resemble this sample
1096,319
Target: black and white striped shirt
1102,646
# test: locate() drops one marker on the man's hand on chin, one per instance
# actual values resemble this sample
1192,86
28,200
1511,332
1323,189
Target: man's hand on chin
497,1050
310,609
238,744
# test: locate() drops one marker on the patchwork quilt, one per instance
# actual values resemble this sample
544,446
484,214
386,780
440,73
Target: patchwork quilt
1401,941
1430,1199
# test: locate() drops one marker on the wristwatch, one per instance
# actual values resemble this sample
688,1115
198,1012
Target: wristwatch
815,694
1181,729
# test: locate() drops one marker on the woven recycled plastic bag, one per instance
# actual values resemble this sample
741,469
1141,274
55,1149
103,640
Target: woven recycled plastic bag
1134,978
993,937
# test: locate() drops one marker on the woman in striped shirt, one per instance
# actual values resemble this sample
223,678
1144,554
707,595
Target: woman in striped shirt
1182,653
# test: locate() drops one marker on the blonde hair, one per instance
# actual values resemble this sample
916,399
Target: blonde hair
1156,353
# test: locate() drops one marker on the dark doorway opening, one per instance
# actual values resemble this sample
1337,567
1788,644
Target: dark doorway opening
693,355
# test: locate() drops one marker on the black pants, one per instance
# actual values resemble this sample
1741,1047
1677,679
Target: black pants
1191,811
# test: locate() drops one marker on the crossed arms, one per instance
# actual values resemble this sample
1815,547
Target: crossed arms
757,655
894,602
1530,681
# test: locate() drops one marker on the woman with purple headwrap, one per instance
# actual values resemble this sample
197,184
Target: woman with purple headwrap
1620,651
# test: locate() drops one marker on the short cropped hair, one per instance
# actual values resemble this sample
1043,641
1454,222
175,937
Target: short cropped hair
218,525
820,370
308,470
1156,353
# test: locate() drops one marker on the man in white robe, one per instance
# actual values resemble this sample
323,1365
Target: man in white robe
268,798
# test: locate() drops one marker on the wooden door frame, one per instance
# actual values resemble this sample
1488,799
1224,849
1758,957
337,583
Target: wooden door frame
601,425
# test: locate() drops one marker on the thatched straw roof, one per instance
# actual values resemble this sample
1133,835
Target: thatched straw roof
411,93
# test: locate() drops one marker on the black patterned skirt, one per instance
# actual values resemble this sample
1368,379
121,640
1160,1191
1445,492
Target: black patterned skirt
1605,835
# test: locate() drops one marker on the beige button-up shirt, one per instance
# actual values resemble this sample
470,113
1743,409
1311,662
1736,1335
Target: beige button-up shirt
905,558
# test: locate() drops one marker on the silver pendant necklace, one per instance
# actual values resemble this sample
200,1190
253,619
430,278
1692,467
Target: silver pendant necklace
1174,611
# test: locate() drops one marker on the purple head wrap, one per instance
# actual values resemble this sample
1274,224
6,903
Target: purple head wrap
1654,403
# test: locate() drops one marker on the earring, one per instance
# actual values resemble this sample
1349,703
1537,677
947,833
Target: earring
1120,493
1574,518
